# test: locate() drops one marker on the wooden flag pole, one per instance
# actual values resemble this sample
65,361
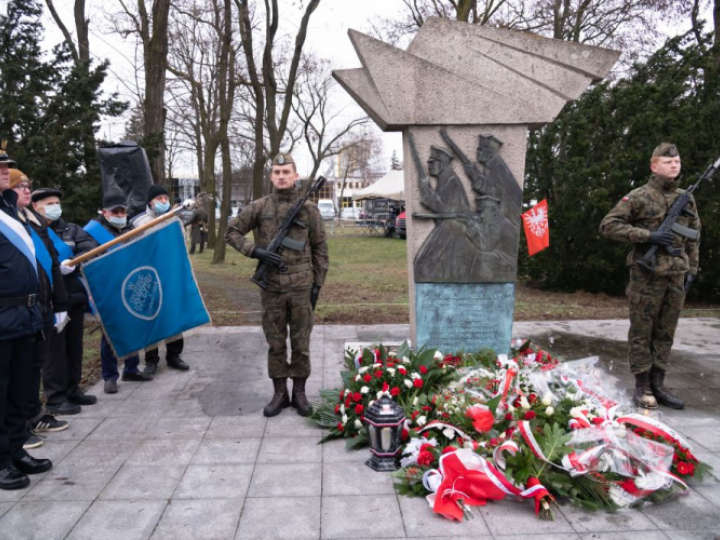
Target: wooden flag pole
123,237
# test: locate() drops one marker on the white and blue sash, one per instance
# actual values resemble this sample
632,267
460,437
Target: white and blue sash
18,237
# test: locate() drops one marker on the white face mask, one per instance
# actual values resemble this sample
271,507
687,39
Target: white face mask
118,222
53,212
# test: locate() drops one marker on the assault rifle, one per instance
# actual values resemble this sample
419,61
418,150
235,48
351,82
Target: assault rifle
281,239
677,209
416,159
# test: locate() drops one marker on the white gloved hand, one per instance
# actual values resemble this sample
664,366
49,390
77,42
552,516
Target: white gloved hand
65,268
61,319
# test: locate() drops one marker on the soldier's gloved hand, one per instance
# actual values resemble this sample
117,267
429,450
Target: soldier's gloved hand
66,268
689,280
661,238
314,294
262,254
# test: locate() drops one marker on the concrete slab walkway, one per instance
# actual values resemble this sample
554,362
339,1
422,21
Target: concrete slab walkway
190,456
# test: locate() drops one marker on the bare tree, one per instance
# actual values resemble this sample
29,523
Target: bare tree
325,129
81,51
272,103
360,157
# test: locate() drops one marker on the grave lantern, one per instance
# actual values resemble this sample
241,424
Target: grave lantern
384,421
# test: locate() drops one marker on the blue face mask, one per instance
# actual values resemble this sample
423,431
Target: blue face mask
118,222
53,212
161,208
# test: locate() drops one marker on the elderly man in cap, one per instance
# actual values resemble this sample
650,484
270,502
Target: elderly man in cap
291,296
62,371
655,299
158,203
21,324
52,300
111,224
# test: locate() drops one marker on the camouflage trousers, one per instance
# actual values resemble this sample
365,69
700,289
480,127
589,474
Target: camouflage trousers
655,306
280,311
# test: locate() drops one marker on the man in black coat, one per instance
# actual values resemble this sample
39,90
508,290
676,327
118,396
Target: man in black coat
62,372
20,323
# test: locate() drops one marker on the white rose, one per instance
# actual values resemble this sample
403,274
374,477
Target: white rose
415,375
408,383
364,390
438,355
449,433
379,394
357,377
363,369
344,418
376,365
576,412
510,408
371,403
502,436
547,399
392,354
358,424
524,403
421,421
416,401
549,411
405,360
391,371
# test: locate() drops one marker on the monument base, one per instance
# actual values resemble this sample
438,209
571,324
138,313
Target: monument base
464,316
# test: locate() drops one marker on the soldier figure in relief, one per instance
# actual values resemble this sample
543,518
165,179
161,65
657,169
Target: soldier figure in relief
291,295
656,299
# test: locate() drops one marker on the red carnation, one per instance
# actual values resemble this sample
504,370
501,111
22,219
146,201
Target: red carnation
425,458
404,434
529,415
418,383
347,401
482,418
426,408
359,409
685,468
337,408
385,387
508,416
367,377
423,370
389,364
342,395
493,442
598,420
357,397
340,427
532,398
395,391
378,374
402,370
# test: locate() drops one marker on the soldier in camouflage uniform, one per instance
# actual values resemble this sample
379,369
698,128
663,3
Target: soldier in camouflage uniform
291,296
655,299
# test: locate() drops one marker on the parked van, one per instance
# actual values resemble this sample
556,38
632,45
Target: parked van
327,208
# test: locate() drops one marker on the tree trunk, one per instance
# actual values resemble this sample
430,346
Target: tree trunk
716,28
156,51
208,185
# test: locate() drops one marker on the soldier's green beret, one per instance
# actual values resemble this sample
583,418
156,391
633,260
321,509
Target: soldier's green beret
666,150
440,154
283,159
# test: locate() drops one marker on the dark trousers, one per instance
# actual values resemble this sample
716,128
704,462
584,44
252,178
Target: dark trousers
40,356
280,311
15,387
62,371
193,244
174,349
109,362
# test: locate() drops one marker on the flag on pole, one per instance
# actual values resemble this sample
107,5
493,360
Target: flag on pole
537,230
145,291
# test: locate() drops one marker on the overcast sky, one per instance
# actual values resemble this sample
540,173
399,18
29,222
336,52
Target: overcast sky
327,37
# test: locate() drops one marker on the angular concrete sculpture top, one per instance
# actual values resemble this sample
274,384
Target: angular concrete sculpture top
472,75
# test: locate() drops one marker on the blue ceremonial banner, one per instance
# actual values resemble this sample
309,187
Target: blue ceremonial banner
145,290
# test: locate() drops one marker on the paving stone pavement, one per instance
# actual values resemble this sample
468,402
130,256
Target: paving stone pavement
190,456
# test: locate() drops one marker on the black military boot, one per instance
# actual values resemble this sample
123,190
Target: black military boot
643,396
280,399
662,394
299,399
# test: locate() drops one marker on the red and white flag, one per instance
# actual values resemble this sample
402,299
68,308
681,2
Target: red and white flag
537,230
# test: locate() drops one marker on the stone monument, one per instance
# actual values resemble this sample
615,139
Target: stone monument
464,97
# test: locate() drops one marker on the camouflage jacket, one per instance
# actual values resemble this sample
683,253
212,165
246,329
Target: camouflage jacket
641,211
263,217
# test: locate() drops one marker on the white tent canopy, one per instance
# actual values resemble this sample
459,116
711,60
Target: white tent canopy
390,186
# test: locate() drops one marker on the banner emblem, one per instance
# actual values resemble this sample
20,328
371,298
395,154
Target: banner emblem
142,293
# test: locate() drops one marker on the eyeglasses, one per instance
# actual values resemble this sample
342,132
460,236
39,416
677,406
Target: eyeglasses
23,187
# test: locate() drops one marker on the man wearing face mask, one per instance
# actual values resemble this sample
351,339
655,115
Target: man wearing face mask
655,299
158,203
111,224
62,371
52,300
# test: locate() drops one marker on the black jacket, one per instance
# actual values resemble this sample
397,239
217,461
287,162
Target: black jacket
112,230
17,279
80,242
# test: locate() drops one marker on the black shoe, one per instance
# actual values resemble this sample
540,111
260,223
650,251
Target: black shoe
48,422
662,394
176,362
280,399
82,399
139,377
299,400
111,386
643,396
31,465
11,478
150,369
33,441
65,408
